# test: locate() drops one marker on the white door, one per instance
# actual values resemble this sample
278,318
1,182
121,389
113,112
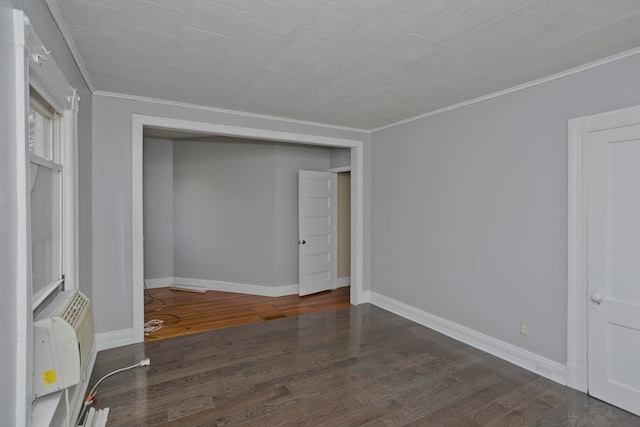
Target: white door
317,230
613,266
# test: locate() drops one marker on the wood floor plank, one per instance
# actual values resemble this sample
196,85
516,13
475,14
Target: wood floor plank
188,312
346,367
457,411
510,402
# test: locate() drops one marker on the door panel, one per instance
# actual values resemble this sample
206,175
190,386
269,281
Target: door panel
317,231
613,271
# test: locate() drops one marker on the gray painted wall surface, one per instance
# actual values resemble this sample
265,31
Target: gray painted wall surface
289,159
112,263
224,207
469,207
158,207
14,407
340,157
232,206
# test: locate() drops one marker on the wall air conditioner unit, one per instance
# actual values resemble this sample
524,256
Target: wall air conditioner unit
62,342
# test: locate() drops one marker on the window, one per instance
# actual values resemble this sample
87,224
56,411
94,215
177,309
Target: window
46,174
52,187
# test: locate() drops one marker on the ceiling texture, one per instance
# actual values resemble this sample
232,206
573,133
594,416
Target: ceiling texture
354,63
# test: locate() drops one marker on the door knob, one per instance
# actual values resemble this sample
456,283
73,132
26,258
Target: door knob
304,241
596,297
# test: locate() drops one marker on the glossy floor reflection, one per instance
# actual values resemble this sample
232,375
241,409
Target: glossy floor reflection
352,366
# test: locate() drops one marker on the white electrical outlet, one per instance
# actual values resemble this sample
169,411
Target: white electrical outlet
524,329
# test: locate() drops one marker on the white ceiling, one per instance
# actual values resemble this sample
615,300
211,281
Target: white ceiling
354,63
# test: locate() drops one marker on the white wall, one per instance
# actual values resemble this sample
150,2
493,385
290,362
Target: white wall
158,207
112,209
469,207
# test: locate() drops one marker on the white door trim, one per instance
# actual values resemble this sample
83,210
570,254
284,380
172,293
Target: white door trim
137,246
579,129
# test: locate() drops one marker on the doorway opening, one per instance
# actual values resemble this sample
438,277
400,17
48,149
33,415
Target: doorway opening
220,219
344,228
356,197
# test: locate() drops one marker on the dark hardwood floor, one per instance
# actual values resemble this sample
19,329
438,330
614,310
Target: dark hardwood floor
346,367
212,310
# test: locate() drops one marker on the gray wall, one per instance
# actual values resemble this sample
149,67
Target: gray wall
469,207
224,211
233,209
15,384
112,263
158,207
340,157
289,159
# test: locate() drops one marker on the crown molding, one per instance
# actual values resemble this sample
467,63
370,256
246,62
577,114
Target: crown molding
66,34
542,80
225,111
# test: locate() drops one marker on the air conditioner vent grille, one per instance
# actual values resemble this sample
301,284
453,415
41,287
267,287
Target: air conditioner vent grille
74,312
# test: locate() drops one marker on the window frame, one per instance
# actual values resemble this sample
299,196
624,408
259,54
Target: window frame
45,78
51,160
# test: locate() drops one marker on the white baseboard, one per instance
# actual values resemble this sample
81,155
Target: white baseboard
242,288
112,339
516,355
577,377
365,297
158,282
343,282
